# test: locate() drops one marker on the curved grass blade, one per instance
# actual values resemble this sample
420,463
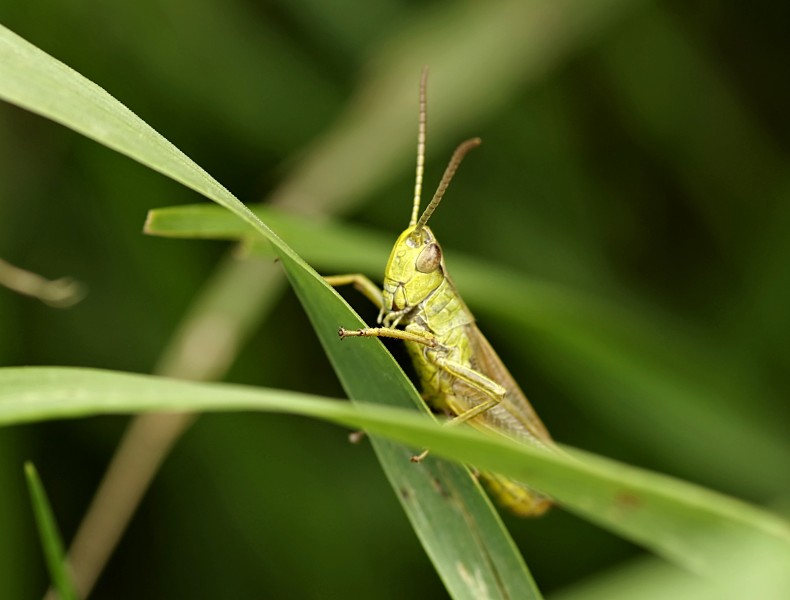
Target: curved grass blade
681,522
468,539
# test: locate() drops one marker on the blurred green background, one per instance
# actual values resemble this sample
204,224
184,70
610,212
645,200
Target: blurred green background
634,157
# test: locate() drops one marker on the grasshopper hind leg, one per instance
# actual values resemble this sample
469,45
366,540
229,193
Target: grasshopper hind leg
490,392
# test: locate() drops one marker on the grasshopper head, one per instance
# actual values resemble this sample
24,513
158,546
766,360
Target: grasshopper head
414,270
416,265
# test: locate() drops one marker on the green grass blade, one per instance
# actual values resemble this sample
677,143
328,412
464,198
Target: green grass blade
329,244
469,540
50,538
652,579
682,522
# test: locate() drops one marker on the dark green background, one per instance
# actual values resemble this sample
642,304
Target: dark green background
649,167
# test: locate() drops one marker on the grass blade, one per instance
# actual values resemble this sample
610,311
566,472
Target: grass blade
691,526
50,538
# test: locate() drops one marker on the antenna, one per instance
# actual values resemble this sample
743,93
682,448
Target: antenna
459,154
420,146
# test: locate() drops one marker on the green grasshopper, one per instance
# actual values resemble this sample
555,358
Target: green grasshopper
458,369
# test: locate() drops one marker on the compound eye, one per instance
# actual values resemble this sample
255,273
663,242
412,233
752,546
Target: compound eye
429,259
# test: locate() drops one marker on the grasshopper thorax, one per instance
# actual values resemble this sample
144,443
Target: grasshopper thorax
414,271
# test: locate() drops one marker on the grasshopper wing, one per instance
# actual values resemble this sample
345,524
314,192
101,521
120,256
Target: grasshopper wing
514,416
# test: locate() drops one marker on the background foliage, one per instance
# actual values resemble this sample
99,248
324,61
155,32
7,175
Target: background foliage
645,169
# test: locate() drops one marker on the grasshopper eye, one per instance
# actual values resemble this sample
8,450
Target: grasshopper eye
429,259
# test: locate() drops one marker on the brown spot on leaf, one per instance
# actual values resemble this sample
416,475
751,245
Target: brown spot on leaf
628,500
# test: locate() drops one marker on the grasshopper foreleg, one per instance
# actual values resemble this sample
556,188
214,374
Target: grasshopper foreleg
420,337
361,283
371,291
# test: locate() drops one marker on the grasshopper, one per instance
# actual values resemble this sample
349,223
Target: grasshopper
459,371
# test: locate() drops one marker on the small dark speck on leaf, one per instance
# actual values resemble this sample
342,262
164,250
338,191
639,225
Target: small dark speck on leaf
437,484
